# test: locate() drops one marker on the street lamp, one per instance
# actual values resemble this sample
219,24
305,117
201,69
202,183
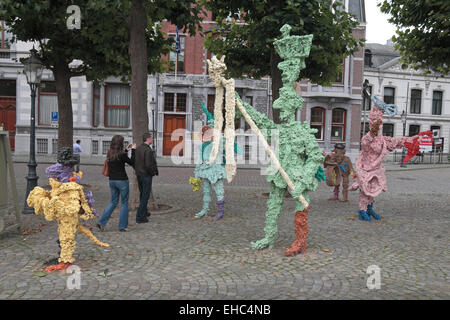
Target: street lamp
403,117
33,70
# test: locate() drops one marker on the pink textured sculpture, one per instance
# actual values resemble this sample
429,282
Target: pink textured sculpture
370,174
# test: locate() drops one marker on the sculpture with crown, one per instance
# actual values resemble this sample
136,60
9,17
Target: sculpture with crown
296,167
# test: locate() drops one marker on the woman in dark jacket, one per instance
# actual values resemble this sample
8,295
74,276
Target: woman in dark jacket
118,182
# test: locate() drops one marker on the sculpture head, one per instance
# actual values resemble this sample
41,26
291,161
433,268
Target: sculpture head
376,114
339,152
65,156
216,68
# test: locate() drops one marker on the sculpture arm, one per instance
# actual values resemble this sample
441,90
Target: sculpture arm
261,120
305,177
395,143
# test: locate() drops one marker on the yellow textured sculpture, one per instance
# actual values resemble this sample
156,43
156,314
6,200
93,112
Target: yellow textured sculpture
65,203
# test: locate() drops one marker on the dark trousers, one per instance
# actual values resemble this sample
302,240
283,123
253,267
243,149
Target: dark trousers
145,187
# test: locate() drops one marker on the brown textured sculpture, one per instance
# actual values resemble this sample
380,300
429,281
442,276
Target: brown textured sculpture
338,168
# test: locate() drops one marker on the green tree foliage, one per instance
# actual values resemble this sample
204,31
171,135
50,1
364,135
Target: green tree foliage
249,46
100,47
423,32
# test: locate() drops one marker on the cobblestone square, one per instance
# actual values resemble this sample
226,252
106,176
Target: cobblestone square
177,257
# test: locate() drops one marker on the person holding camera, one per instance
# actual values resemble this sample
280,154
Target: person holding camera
118,181
145,169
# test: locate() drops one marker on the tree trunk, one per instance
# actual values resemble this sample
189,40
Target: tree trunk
61,73
138,60
277,83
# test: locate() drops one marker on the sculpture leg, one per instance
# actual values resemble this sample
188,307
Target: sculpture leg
364,201
206,199
66,231
345,184
301,229
220,193
274,206
335,193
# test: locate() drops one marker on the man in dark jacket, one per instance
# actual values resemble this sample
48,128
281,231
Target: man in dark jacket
146,168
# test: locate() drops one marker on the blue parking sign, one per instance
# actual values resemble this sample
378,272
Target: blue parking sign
55,116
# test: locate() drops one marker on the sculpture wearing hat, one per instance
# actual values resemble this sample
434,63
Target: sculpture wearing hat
338,168
66,203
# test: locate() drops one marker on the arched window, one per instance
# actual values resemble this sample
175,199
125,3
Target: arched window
318,121
338,121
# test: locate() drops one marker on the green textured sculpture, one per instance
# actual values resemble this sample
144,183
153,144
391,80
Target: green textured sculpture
299,154
299,157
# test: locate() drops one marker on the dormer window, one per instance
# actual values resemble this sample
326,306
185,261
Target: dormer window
367,58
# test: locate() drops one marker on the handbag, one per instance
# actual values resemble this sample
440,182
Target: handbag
105,169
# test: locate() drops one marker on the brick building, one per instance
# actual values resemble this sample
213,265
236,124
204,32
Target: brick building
174,101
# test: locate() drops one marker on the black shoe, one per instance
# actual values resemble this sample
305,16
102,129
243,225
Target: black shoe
102,228
148,214
142,221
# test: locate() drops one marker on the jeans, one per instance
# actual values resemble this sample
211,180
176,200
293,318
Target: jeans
145,187
77,165
122,188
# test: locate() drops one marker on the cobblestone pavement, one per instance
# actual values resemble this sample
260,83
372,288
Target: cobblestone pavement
177,257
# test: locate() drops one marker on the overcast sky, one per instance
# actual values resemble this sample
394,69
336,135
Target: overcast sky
378,29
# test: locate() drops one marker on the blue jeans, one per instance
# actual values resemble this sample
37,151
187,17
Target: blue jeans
145,187
122,188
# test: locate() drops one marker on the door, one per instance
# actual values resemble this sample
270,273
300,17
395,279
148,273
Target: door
172,123
8,117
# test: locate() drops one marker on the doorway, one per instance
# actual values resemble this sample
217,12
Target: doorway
171,123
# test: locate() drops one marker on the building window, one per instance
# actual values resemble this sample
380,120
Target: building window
388,129
389,95
340,76
7,88
437,103
210,103
5,37
48,102
95,105
177,59
105,146
414,129
416,97
367,58
175,102
318,121
55,146
338,124
42,146
366,100
438,128
94,147
117,107
240,123
364,129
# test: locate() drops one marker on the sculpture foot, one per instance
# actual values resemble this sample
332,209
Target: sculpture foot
372,213
58,267
363,216
201,214
296,248
218,216
262,244
220,206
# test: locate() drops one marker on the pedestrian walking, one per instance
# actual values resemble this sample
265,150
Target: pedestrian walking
77,150
118,181
145,169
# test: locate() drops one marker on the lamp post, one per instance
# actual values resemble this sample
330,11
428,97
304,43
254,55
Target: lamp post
403,117
33,70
